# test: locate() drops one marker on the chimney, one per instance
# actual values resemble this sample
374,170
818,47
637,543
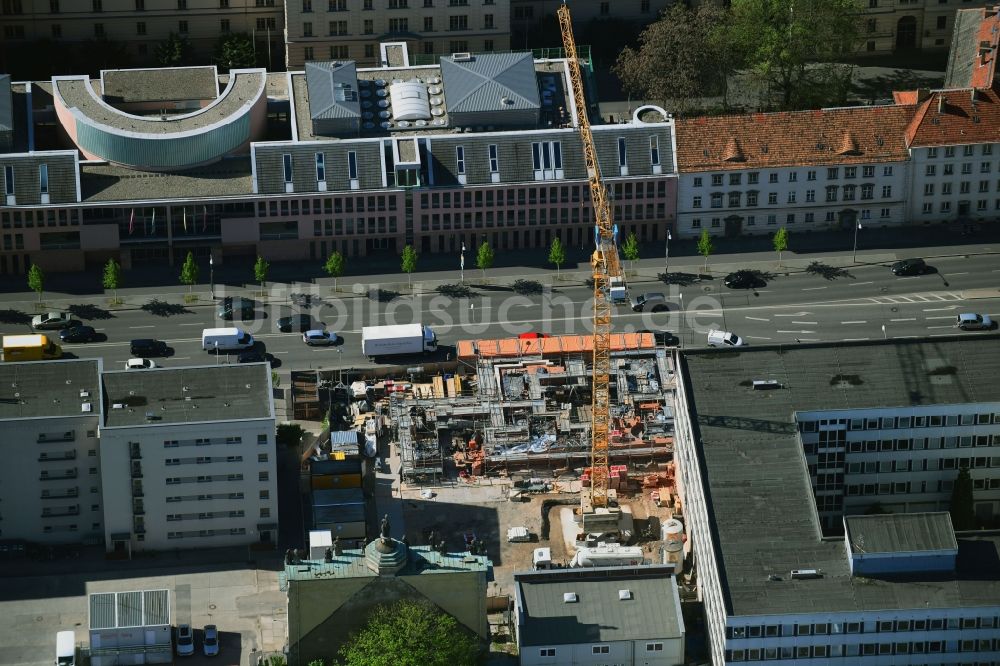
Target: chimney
922,94
941,103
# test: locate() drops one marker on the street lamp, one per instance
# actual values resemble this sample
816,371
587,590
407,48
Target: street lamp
211,275
666,251
855,260
680,325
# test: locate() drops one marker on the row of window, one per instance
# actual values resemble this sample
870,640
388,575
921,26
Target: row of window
207,441
902,422
343,51
881,626
753,177
208,497
910,444
964,187
209,478
49,217
456,22
930,170
531,216
207,460
791,218
967,151
336,205
341,5
205,515
734,199
865,649
233,531
598,649
982,205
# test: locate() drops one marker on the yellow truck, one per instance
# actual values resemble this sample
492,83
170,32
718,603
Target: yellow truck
35,347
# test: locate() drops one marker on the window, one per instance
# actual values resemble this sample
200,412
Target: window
696,223
308,53
286,161
930,170
622,157
605,8
832,173
753,178
352,165
772,198
267,24
887,171
886,191
601,649
97,5
182,27
850,172
810,175
735,178
428,24
488,22
716,179
717,200
942,21
751,198
182,4
793,176
320,167
140,28
54,6
458,45
654,150
56,31
460,22
307,6
307,29
547,652
262,476
369,27
791,197
224,26
831,193
654,647
494,159
398,4
696,202
398,25
966,168
460,159
772,178
43,178
140,5
337,6
984,167
99,30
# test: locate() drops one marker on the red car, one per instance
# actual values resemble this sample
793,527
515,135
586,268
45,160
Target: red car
533,336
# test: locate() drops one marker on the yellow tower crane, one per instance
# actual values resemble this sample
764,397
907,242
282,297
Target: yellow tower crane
606,268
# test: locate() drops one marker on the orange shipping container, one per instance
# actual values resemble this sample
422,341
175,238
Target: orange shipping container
329,481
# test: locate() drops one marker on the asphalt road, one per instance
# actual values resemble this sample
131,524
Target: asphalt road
827,305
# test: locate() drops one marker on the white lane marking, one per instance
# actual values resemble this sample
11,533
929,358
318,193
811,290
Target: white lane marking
859,321
179,358
806,323
858,284
905,337
150,326
933,327
755,337
944,317
812,288
279,352
905,319
757,318
939,335
963,273
198,323
855,339
793,314
808,339
796,332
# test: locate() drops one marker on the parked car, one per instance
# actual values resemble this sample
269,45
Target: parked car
665,338
145,347
652,302
971,321
299,322
210,645
717,338
319,338
744,280
52,321
139,364
185,640
910,267
78,334
251,356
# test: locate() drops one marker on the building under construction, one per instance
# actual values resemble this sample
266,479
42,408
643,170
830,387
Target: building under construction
523,407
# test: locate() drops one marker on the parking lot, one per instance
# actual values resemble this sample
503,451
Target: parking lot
245,604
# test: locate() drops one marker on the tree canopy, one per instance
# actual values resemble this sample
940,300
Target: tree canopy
235,51
174,51
408,633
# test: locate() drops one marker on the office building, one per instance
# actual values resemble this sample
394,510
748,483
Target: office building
353,29
472,148
777,475
606,615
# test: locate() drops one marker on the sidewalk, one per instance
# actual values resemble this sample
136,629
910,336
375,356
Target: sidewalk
80,293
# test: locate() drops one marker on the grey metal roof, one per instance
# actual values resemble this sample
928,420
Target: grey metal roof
134,608
162,396
599,615
351,564
484,81
964,48
762,509
333,90
159,84
6,108
46,389
901,533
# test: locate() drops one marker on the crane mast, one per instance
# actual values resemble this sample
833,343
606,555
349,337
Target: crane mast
605,265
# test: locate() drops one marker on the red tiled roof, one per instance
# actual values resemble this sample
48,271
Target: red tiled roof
869,134
984,65
905,96
951,117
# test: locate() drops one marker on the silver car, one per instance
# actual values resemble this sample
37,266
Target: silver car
318,338
971,321
51,321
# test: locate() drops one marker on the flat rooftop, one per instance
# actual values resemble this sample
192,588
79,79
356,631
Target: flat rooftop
351,563
164,396
762,508
901,533
599,614
108,182
49,389
159,84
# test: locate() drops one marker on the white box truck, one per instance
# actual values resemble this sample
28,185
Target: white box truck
65,648
225,339
399,339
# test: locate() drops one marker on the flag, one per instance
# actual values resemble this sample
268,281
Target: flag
154,222
185,219
131,222
204,221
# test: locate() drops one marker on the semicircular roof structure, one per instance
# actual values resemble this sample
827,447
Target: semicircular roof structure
409,101
167,143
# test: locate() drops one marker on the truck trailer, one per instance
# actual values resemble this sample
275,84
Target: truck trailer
35,347
399,339
608,555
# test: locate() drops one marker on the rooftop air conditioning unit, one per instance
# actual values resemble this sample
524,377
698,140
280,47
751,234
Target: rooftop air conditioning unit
802,574
570,598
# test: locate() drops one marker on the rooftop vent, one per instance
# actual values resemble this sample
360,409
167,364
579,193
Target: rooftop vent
84,393
185,389
117,405
766,384
86,408
570,598
805,574
624,595
462,57
69,381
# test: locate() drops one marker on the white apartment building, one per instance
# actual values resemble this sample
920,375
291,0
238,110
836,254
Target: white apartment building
778,583
188,457
50,481
806,170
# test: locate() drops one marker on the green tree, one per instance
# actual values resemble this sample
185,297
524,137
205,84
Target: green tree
260,269
705,245
792,47
409,633
334,266
235,51
557,254
112,277
189,271
963,515
780,243
678,56
484,258
174,51
36,280
408,262
630,248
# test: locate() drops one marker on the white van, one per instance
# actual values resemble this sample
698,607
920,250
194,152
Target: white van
65,648
717,338
225,339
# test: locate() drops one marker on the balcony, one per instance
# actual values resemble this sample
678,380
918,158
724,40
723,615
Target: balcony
137,489
67,436
136,470
56,476
65,493
137,508
49,457
134,451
